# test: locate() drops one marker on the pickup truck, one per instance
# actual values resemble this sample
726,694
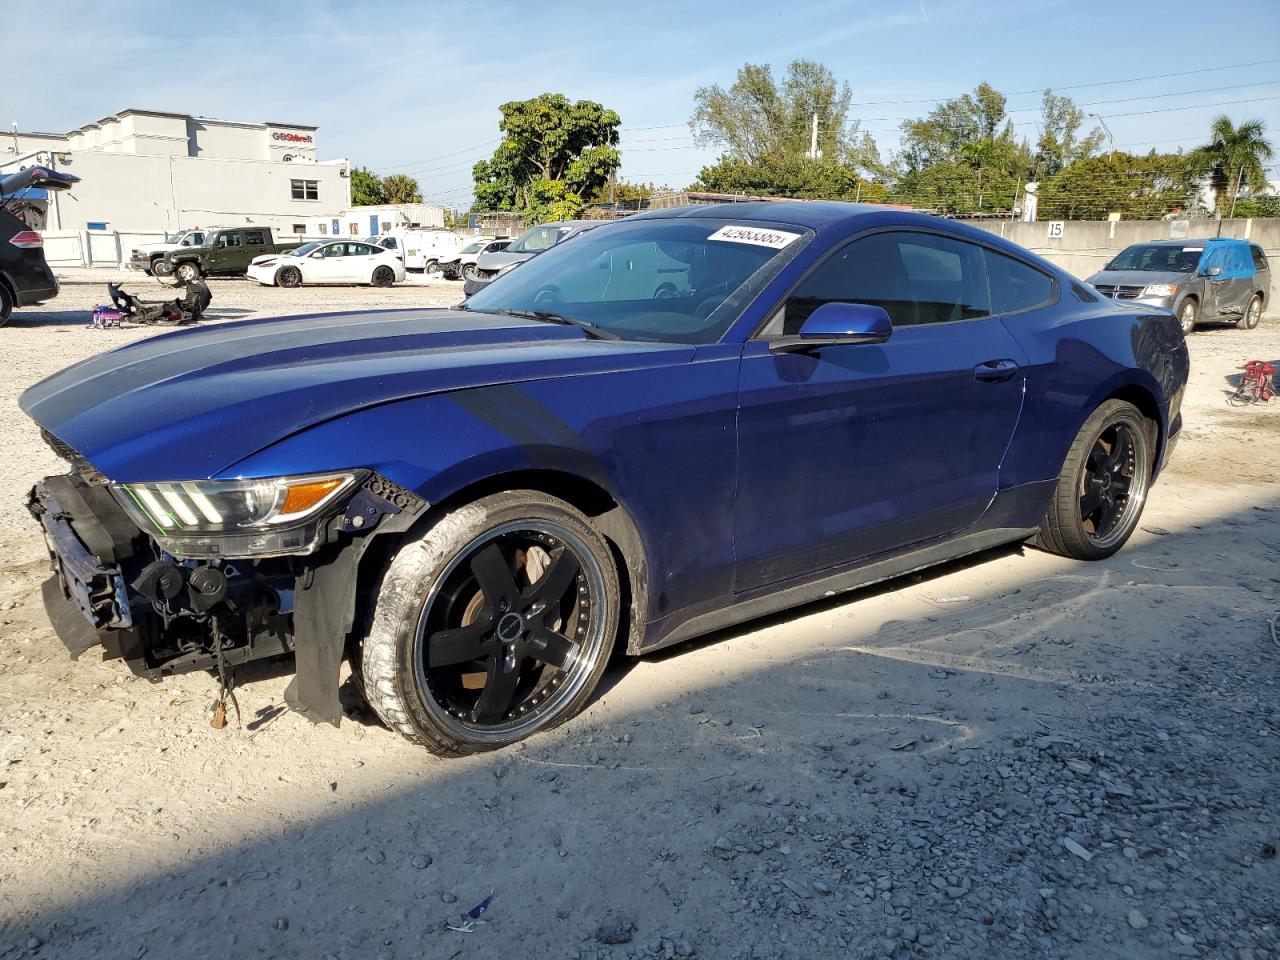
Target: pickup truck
226,250
144,256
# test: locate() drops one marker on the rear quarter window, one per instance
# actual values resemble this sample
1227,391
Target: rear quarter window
1015,286
1259,259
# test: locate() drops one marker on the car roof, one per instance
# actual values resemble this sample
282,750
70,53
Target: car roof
1186,242
814,214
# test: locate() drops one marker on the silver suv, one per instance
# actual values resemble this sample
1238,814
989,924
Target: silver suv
1215,279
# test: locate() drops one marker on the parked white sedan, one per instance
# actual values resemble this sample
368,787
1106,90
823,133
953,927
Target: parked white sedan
329,261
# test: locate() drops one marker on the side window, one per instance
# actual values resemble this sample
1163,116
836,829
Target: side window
335,250
1016,286
255,238
1259,259
360,250
918,278
232,239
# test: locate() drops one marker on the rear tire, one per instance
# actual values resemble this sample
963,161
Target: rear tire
383,276
494,624
1103,485
1187,316
1252,313
6,304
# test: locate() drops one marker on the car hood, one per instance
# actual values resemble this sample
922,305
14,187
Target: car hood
500,259
1136,278
190,404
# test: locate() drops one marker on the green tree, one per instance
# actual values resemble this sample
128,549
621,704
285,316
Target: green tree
366,188
1233,157
938,137
1060,143
399,188
1137,187
757,117
554,154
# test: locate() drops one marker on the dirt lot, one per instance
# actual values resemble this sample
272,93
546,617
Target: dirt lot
1015,756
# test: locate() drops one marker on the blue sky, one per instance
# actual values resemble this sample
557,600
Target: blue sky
414,87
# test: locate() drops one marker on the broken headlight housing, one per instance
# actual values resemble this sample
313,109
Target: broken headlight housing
236,518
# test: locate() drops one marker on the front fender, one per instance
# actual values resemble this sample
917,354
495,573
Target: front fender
441,445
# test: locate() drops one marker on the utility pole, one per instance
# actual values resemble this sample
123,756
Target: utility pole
1235,193
813,138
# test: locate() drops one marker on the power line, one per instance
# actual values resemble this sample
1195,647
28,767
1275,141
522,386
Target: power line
1080,86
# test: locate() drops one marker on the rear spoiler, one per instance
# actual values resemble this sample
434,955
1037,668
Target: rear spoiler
38,178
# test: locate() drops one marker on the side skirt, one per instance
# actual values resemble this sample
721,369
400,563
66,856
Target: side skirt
843,581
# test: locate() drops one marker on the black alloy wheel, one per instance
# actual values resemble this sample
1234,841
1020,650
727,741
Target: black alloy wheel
506,632
289,277
1102,487
1111,482
383,276
496,623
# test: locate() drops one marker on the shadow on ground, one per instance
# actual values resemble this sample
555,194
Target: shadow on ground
897,759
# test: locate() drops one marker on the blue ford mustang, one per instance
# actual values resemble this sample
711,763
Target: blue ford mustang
662,427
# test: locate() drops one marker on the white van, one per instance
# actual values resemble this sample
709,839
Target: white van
419,249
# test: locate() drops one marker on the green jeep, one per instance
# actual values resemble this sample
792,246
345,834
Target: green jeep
226,250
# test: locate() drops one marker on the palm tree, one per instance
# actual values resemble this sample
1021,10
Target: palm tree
1234,156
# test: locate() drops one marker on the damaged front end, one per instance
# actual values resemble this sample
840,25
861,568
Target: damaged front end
195,576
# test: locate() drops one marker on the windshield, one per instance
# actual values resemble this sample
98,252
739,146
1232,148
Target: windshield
173,237
475,246
683,280
303,250
540,238
1161,257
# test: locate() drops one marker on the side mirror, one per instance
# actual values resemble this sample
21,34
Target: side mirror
1212,271
838,323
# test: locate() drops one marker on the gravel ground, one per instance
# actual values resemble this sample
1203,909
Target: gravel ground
1013,756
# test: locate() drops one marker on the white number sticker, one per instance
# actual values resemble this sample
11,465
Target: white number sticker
756,236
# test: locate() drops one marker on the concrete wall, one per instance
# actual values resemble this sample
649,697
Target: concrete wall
1086,246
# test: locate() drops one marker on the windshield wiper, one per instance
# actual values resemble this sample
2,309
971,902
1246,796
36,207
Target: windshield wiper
590,329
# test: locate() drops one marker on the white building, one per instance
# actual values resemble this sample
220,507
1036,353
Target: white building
371,221
143,170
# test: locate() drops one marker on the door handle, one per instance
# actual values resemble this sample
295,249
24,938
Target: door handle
993,371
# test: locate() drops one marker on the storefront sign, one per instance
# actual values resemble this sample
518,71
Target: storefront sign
293,137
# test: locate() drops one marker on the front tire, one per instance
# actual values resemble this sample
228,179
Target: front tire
1252,313
161,268
431,268
1103,485
186,273
1187,316
289,277
469,271
494,624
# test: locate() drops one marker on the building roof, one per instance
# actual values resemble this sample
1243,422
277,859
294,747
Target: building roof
186,116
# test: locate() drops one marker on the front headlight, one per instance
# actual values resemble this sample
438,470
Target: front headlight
234,518
1160,290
